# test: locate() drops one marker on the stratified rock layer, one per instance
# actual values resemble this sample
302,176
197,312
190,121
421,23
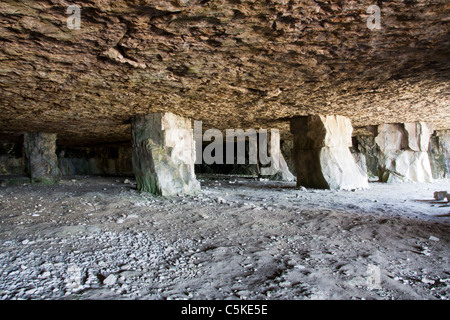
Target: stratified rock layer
41,159
11,158
232,64
403,152
164,154
321,153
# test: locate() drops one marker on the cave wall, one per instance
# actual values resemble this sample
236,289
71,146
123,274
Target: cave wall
365,151
116,160
12,159
281,154
99,160
95,160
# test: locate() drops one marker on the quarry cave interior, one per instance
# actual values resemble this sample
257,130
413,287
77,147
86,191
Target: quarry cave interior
224,150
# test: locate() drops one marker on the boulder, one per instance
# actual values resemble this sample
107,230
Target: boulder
439,153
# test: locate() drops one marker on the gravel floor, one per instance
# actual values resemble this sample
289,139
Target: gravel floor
241,238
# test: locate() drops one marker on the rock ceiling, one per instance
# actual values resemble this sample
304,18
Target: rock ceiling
232,64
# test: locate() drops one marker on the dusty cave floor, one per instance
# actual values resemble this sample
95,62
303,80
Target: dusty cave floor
97,238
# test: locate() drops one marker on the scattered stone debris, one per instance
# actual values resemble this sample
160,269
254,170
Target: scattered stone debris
221,200
110,280
440,195
262,244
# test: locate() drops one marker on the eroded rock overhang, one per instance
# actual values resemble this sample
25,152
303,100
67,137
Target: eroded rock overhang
231,64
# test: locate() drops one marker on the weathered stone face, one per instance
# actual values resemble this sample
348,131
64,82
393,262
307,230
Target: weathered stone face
278,169
403,152
232,64
11,158
321,153
321,131
164,154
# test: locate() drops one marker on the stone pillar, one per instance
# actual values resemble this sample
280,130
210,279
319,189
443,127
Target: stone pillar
278,169
12,160
163,154
365,150
403,152
322,156
439,154
41,159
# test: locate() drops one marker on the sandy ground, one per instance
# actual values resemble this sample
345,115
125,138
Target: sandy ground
97,238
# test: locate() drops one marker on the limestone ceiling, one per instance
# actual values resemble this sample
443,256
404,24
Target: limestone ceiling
232,64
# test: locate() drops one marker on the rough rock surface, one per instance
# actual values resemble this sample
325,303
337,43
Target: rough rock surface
12,160
444,140
367,150
229,63
403,152
164,154
321,153
439,153
41,159
286,150
239,239
99,160
278,169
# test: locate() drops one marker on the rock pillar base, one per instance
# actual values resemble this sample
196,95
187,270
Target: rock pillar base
322,156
